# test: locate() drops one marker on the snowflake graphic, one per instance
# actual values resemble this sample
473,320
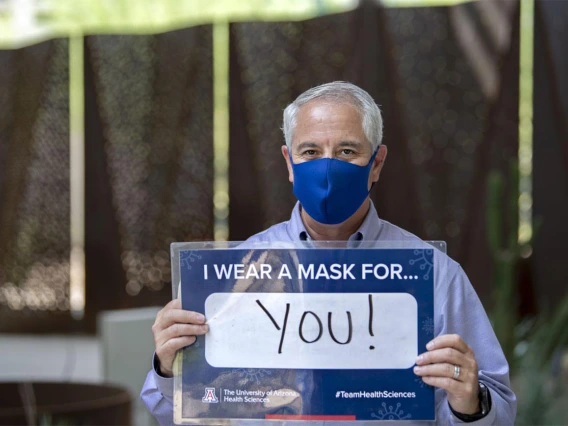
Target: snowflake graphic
251,375
425,264
428,325
390,413
421,383
186,257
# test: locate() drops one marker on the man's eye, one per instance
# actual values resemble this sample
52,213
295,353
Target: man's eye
310,152
347,152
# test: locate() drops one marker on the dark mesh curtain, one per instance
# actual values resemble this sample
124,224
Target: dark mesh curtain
34,188
271,64
461,116
447,82
447,123
551,148
149,139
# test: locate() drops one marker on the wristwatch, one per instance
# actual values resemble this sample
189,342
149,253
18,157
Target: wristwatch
484,406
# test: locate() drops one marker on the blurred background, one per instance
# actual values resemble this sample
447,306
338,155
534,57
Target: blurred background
126,125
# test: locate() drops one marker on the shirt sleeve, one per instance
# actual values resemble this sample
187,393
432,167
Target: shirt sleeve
157,394
462,313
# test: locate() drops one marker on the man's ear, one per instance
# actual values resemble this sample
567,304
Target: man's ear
286,156
378,163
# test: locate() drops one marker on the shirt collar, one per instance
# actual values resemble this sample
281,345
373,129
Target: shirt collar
369,229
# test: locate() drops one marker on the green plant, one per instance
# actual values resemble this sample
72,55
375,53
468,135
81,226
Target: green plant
48,420
534,347
539,378
502,226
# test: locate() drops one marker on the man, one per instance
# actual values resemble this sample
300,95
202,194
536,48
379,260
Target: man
334,155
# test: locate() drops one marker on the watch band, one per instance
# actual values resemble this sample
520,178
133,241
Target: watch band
484,406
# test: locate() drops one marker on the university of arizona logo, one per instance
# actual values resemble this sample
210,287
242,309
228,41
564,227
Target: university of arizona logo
210,396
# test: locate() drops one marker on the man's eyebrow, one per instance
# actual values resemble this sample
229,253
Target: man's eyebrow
352,144
305,145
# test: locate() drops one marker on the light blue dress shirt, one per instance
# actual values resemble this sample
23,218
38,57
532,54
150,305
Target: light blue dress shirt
457,310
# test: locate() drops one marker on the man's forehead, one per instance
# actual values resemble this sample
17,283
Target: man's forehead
324,108
324,122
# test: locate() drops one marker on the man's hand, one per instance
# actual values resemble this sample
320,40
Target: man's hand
437,368
174,329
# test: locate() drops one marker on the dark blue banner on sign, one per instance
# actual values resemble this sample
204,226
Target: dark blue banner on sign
307,334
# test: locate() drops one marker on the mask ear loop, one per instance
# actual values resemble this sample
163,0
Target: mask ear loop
370,165
290,156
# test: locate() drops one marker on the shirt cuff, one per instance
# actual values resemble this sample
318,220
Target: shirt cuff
485,421
164,384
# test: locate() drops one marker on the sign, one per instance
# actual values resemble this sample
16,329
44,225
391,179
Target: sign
305,334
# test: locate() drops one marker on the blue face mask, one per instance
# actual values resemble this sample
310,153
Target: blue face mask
331,190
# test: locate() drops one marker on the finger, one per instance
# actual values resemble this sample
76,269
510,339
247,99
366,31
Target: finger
172,304
448,341
167,351
449,385
445,355
174,316
439,370
179,330
456,390
177,343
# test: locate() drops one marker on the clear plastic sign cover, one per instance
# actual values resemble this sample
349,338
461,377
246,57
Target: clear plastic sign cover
304,331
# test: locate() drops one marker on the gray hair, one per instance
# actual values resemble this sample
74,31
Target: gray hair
341,92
